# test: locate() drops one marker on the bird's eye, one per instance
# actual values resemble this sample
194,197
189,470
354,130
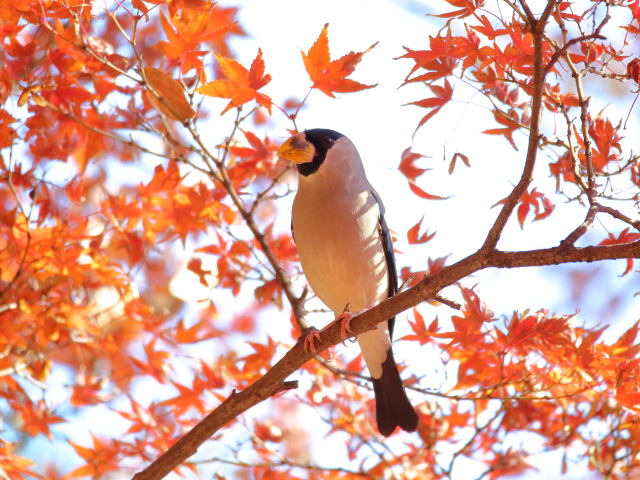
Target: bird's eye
328,142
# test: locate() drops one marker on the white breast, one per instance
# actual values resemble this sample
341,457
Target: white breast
340,248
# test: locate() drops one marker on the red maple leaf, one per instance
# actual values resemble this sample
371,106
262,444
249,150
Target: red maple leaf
240,85
442,96
535,200
625,237
414,237
331,76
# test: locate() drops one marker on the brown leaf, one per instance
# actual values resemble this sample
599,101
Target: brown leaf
633,70
462,157
168,95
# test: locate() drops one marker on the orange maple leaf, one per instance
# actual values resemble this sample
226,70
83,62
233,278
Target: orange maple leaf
422,333
467,7
240,85
12,465
100,459
331,76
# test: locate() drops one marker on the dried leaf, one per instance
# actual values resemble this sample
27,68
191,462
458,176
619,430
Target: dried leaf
167,94
461,156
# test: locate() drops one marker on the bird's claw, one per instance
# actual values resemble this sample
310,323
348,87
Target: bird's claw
345,324
309,337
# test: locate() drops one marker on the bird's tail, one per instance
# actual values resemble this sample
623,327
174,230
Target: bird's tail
393,408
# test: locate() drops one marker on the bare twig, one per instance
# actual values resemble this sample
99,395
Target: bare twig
564,49
447,302
104,133
590,189
620,216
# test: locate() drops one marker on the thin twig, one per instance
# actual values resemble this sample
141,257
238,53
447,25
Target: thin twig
620,216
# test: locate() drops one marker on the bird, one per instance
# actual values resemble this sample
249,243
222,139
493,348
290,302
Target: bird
346,254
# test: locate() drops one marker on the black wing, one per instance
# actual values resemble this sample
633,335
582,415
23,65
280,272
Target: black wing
387,246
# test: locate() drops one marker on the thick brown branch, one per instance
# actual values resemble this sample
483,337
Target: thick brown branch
559,255
273,381
270,384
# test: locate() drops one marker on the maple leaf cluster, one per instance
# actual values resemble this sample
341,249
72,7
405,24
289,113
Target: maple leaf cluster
126,234
540,374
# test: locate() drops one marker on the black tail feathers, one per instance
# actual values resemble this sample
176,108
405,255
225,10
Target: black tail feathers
393,408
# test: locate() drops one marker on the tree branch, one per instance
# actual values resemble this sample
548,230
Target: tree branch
273,381
290,464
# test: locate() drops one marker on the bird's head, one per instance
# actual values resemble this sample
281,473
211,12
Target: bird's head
308,149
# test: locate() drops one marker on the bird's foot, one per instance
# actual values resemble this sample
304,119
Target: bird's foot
345,322
311,334
309,337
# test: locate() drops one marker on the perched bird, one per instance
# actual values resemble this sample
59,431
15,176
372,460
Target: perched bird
346,254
